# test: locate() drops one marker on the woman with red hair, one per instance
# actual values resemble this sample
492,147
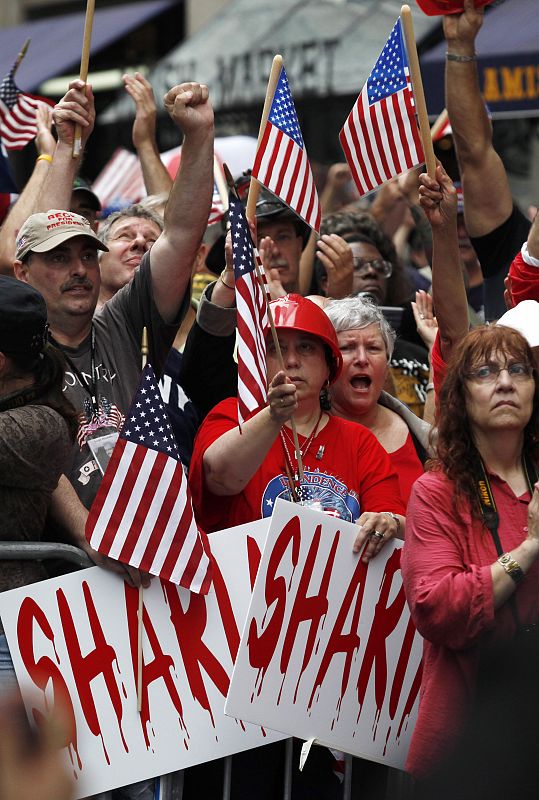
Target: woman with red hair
471,560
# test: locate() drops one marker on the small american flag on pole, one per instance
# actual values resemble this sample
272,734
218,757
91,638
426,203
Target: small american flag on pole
252,315
381,138
17,114
142,514
281,162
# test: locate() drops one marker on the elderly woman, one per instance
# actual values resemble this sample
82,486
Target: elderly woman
470,565
366,343
237,476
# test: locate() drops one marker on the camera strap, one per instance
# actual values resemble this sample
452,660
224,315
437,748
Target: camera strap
489,512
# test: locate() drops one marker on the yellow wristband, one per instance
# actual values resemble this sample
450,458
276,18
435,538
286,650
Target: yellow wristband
44,157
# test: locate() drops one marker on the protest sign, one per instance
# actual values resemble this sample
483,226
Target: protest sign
74,639
329,651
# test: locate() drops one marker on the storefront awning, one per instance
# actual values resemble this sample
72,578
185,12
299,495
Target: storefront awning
508,62
329,49
56,42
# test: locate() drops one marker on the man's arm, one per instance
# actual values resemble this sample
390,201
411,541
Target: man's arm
533,238
156,177
487,196
438,198
70,515
188,207
77,106
26,203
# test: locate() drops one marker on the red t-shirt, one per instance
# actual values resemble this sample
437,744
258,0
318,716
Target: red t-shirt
353,474
407,465
439,367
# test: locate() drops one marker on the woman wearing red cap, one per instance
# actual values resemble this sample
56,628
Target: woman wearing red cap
237,477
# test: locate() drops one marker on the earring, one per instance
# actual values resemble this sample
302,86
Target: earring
325,400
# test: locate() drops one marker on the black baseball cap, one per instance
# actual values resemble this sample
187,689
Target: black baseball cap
268,208
82,187
23,318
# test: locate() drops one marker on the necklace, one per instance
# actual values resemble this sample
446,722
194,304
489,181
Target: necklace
291,461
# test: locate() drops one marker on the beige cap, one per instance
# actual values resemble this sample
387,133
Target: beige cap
43,232
525,319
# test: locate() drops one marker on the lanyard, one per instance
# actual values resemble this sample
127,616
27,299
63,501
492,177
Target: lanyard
291,469
91,386
489,512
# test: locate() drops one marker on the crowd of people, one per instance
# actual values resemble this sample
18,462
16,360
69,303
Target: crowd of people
423,420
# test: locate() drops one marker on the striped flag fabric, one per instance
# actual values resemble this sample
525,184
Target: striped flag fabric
142,514
17,114
380,137
121,183
252,315
281,162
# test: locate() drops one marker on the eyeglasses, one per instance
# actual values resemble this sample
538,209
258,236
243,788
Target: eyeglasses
362,266
489,373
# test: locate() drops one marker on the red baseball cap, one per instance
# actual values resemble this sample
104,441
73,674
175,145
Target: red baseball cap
437,8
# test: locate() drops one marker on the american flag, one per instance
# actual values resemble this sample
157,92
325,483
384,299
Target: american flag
142,514
252,315
381,138
17,114
281,162
121,182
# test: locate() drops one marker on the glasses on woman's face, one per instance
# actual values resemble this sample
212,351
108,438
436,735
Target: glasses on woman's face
488,373
363,265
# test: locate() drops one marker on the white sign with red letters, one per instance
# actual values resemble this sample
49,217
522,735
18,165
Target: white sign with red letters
329,651
74,640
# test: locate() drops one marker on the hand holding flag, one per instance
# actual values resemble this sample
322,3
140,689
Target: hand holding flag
142,514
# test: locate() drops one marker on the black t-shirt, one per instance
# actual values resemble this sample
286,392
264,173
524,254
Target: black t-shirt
495,252
184,416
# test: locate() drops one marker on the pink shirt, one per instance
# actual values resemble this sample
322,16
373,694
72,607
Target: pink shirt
446,571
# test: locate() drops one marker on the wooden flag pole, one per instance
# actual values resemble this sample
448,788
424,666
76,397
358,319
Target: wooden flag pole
84,61
144,349
254,187
439,123
417,85
24,50
140,613
262,283
281,364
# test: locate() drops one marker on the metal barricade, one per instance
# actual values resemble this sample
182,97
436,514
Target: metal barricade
172,785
